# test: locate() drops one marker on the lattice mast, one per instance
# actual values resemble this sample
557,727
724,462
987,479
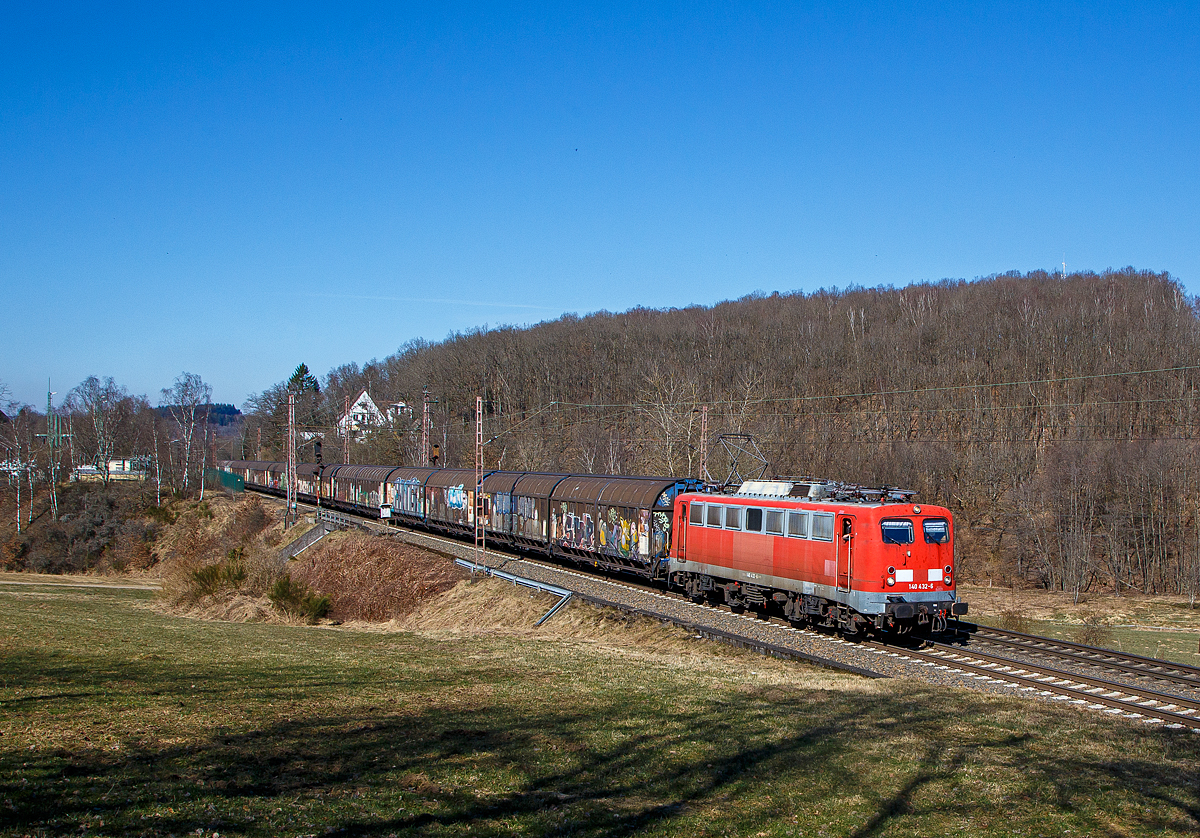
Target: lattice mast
424,461
291,460
54,437
480,530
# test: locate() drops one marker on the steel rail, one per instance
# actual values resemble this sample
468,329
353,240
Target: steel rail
1129,706
1103,683
1164,672
1154,667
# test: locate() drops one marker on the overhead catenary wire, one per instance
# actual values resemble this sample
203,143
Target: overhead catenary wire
907,391
617,411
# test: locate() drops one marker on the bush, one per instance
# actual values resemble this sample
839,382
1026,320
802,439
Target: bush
249,520
161,514
99,528
295,598
374,578
1015,619
1094,631
214,578
130,548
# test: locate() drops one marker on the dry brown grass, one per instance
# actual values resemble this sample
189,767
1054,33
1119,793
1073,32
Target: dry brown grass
373,578
208,534
234,608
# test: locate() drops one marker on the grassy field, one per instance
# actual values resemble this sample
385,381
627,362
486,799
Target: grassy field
117,719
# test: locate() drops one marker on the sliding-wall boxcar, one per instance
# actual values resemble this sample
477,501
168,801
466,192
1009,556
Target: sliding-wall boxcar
450,500
361,488
498,507
530,504
408,493
619,523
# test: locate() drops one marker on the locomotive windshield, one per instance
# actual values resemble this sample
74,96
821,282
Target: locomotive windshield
937,531
897,531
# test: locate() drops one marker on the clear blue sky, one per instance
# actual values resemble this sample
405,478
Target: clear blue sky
230,191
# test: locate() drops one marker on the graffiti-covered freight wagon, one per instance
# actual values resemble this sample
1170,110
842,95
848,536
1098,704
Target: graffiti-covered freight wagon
619,523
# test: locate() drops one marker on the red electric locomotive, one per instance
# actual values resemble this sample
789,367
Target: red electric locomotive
849,558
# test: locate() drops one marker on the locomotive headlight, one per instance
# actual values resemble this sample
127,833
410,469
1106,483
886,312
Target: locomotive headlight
891,571
891,581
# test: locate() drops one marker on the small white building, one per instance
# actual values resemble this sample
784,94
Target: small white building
364,414
130,468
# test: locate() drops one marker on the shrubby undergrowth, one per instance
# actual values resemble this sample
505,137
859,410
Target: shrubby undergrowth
297,599
99,528
218,547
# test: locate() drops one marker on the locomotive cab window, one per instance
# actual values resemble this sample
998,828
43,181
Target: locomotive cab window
897,531
754,520
697,514
775,522
937,531
822,526
714,515
798,524
733,517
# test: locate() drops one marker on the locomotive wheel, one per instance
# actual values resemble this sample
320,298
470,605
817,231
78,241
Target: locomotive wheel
737,608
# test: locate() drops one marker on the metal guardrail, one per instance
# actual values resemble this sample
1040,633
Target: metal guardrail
337,519
525,582
326,522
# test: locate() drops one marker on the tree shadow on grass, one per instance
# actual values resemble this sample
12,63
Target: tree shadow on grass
625,768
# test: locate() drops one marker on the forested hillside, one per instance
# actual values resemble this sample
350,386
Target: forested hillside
1056,416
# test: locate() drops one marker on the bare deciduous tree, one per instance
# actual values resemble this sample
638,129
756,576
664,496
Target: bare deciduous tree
187,401
108,410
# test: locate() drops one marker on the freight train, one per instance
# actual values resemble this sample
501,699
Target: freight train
816,552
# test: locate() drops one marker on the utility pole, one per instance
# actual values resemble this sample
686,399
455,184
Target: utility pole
258,455
704,443
480,529
291,461
346,433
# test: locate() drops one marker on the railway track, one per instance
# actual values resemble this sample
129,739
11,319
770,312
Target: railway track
1006,664
1124,663
1093,693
